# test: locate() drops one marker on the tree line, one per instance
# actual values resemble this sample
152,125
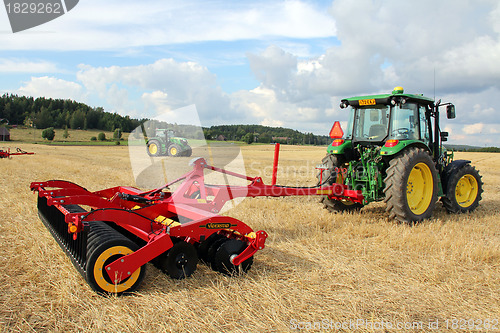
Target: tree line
44,112
264,134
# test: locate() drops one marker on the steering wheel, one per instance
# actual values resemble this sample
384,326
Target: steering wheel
401,132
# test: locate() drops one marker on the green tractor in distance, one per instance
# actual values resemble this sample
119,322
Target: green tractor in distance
165,143
392,151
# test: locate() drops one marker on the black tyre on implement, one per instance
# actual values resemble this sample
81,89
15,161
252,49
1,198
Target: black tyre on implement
411,186
333,174
463,189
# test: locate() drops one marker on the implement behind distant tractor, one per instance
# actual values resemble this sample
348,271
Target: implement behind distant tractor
6,153
392,151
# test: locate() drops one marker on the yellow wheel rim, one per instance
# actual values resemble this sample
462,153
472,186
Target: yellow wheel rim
103,260
420,188
173,151
466,191
153,149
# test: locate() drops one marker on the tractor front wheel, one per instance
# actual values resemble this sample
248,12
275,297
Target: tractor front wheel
463,190
188,152
335,164
411,186
174,150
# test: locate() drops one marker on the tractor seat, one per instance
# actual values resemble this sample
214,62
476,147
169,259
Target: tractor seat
377,131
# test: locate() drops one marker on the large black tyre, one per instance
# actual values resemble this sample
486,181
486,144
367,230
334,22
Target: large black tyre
154,148
174,150
105,246
463,190
411,186
330,176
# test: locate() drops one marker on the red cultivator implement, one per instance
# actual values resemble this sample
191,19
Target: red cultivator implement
111,234
6,153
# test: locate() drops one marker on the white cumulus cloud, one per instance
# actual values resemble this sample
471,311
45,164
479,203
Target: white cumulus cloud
50,86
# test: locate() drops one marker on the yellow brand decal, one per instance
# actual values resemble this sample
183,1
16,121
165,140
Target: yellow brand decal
216,225
363,102
324,192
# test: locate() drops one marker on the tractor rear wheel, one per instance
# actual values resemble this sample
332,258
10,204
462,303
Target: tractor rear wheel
463,190
333,174
154,148
107,246
411,186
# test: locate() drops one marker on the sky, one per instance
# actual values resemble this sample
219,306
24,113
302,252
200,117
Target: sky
275,63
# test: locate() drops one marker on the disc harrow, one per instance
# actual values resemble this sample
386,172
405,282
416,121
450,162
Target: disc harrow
6,153
110,235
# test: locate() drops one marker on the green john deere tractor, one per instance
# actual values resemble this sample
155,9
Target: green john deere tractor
165,143
392,151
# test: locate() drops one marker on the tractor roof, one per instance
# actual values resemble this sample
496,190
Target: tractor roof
397,93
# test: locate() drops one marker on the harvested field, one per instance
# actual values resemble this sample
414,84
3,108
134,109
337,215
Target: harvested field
319,269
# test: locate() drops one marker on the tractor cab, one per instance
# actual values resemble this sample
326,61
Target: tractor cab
373,120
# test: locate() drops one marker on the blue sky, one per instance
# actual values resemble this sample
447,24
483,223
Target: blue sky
278,63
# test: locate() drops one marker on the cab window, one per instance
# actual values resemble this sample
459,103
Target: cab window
371,123
424,130
404,122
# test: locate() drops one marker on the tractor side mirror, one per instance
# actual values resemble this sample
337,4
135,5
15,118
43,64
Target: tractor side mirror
444,136
450,111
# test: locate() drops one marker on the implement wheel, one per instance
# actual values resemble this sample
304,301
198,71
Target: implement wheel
224,255
105,246
411,186
154,148
332,175
463,190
